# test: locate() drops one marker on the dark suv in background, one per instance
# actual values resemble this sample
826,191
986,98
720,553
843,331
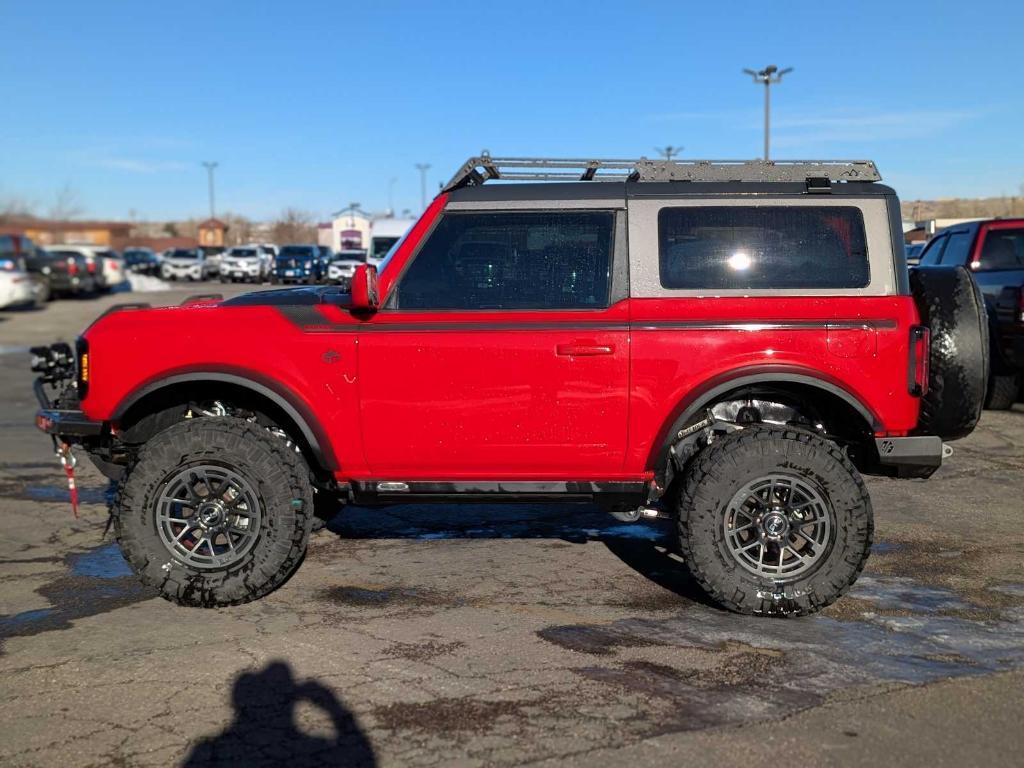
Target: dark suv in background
993,250
66,272
142,261
298,264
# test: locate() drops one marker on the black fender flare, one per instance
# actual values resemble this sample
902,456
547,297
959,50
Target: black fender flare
283,397
697,400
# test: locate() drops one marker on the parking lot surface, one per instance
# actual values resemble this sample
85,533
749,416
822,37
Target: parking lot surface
505,635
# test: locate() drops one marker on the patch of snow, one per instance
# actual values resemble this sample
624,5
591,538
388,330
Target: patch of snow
146,284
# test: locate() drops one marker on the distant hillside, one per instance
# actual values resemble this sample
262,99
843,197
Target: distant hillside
961,208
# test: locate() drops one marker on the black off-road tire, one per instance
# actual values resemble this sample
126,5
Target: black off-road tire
279,477
1002,392
722,469
952,306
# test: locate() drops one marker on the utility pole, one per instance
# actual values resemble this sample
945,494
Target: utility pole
423,168
210,166
669,152
391,195
769,76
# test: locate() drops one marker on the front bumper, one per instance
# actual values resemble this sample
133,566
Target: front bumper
54,421
242,270
183,272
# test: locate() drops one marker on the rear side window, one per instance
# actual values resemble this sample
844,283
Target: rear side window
933,251
1003,249
525,260
741,247
958,246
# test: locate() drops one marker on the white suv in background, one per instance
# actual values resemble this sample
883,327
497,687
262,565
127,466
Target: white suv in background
343,265
248,263
185,264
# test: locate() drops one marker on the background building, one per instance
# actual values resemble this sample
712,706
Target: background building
44,232
350,230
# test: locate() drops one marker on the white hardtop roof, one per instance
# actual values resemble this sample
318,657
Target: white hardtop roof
391,227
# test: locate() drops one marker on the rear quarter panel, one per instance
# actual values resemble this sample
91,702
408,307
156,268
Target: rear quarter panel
682,348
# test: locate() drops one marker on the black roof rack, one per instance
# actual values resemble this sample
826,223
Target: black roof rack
478,170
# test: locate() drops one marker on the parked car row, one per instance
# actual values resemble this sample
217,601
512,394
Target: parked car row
33,275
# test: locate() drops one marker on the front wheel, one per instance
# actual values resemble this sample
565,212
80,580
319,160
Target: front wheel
214,511
774,521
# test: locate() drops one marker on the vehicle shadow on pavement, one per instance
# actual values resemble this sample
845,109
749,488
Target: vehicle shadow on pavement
264,731
649,547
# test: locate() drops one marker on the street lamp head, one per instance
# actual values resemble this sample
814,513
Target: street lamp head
769,75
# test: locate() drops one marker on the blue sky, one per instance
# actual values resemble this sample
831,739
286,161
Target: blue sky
315,105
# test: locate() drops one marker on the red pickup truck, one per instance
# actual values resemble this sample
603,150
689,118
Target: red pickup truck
727,344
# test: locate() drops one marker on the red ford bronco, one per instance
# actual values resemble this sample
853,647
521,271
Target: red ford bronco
731,344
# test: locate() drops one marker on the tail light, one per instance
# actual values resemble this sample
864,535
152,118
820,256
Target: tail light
91,267
920,355
72,266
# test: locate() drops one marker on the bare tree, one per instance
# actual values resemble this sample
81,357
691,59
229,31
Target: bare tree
17,208
66,204
293,226
240,227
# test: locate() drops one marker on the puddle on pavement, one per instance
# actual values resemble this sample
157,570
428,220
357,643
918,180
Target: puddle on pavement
364,597
55,492
95,582
801,661
448,715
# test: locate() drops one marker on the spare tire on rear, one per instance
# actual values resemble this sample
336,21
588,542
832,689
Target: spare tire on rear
952,307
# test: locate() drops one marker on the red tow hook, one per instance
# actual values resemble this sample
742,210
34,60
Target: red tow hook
68,461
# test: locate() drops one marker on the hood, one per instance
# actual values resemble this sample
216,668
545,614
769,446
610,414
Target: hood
283,297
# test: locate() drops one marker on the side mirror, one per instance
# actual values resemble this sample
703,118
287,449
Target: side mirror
364,289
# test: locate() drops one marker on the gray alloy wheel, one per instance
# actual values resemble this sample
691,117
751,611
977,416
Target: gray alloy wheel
208,516
778,526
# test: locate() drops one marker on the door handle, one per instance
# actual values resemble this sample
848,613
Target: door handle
584,350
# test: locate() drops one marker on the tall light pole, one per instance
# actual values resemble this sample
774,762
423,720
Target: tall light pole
391,195
770,75
669,152
210,166
423,168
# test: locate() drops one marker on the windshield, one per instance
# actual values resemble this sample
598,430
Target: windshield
296,252
391,253
380,246
180,253
243,253
359,256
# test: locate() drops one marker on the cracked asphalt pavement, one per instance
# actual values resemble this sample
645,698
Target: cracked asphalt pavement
505,635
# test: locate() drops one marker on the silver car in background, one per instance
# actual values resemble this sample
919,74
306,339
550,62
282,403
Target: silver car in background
246,263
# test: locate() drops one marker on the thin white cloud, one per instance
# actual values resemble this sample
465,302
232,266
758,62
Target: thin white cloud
846,128
101,158
836,126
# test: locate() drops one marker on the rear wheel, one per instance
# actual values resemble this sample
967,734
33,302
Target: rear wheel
1002,392
214,511
774,521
